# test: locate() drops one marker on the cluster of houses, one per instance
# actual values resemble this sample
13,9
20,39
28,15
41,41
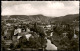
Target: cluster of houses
19,32
11,34
46,27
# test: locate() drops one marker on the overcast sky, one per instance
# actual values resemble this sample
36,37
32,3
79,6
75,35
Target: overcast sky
47,8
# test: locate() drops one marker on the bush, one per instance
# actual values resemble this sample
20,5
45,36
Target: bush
70,34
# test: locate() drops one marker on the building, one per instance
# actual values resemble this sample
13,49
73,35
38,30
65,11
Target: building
7,43
64,34
48,27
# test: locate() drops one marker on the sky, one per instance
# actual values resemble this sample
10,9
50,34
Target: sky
46,8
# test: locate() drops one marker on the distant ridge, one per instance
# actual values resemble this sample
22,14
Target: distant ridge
45,19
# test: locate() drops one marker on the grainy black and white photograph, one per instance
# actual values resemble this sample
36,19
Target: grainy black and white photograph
39,25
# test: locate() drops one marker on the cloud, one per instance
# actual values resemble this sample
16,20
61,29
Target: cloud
55,5
59,9
22,9
49,9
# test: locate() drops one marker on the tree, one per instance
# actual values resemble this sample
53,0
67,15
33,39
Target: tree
2,31
70,34
35,41
22,42
74,44
11,46
3,45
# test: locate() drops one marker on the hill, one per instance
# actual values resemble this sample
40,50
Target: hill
44,19
66,19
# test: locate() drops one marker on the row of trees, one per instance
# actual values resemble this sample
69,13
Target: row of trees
66,43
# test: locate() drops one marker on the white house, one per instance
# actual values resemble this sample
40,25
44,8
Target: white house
8,24
51,34
48,26
28,36
18,37
75,36
27,30
17,31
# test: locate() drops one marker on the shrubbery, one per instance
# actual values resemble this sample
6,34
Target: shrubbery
65,43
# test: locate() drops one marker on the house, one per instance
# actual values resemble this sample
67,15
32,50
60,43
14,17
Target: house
18,37
16,31
75,36
27,30
77,28
43,26
51,34
7,43
63,26
5,32
64,34
8,33
76,25
14,38
8,24
48,27
28,36
2,38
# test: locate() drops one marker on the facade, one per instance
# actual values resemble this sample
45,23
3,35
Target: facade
65,34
